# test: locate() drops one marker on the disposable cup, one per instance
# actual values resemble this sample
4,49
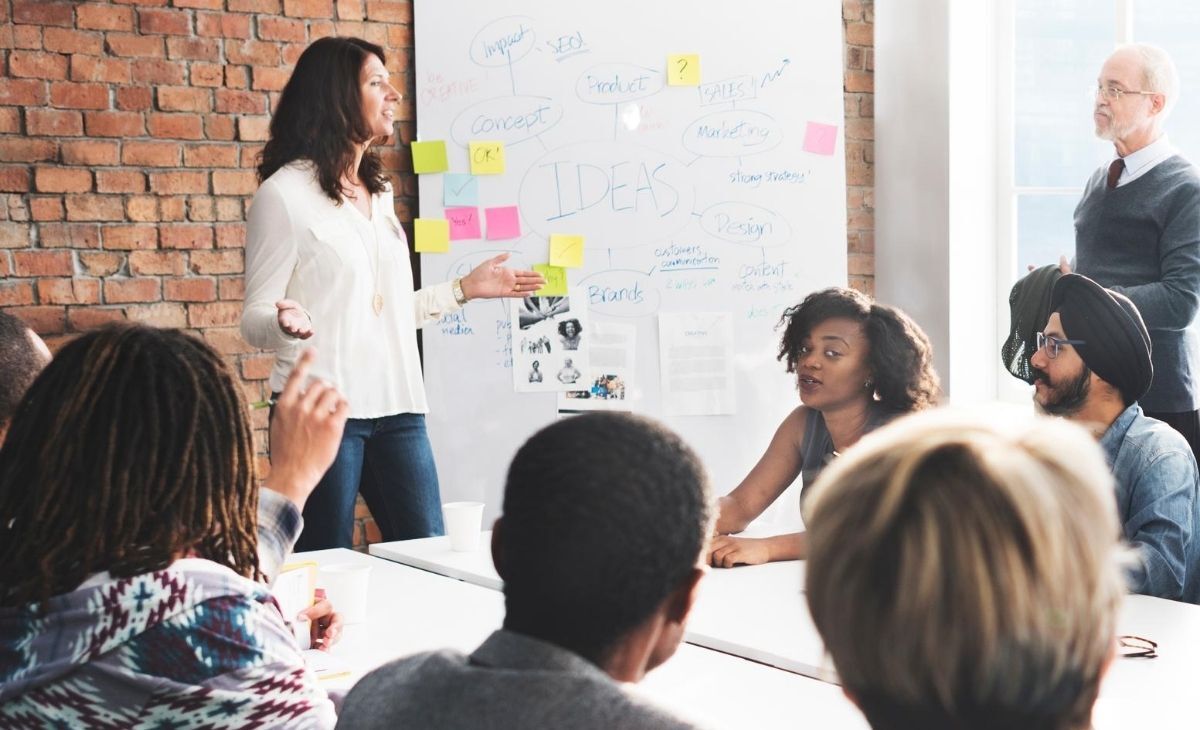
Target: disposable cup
464,521
345,586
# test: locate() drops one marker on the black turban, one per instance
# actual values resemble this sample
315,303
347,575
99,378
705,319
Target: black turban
1117,345
1029,308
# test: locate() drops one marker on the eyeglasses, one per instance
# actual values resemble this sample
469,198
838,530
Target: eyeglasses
1112,93
1135,647
1050,345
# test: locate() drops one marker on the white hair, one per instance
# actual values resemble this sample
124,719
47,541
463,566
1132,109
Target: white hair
1158,72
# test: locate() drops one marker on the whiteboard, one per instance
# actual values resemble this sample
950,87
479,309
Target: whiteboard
723,197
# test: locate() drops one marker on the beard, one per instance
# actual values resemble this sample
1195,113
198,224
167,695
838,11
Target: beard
1112,132
1065,398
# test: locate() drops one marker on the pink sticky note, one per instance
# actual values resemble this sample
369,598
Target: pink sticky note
503,222
819,138
464,223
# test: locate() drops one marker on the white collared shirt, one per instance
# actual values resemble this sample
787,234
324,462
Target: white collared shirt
1143,161
333,261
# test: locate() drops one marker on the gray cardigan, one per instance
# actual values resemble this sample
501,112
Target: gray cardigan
511,682
1142,239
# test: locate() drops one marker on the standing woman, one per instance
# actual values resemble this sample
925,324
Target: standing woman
327,261
858,365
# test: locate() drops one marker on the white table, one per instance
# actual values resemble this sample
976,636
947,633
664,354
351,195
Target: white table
412,610
759,613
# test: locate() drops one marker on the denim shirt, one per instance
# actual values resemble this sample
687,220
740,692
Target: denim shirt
1158,504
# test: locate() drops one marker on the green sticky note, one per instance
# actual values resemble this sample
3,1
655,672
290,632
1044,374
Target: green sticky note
556,281
683,69
432,234
566,251
429,157
487,158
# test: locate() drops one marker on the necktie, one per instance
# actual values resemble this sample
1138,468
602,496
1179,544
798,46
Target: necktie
1114,172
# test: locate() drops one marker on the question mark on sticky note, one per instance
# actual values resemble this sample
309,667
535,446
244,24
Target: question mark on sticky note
684,69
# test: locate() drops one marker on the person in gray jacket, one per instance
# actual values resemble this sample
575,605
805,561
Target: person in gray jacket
601,560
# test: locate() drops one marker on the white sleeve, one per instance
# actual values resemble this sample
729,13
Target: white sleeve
270,260
431,303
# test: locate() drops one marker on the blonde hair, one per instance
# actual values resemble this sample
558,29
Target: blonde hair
965,571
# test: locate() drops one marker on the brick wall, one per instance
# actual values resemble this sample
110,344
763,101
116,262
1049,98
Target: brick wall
128,136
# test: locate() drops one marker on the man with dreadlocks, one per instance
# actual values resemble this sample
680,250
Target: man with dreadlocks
131,595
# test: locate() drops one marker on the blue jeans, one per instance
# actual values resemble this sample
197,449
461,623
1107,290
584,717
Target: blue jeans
389,459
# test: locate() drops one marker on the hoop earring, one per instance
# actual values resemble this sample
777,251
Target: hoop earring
868,385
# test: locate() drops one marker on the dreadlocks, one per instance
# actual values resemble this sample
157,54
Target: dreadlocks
131,449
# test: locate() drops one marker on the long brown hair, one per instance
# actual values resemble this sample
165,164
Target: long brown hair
319,117
131,449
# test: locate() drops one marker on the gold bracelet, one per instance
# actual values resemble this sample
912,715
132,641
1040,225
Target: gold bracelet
459,295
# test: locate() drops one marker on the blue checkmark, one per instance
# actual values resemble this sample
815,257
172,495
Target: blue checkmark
460,189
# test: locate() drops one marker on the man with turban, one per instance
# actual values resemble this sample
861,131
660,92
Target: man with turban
1091,365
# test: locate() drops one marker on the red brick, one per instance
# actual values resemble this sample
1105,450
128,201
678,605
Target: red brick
270,79
43,263
217,262
120,181
16,293
390,11
96,16
281,29
68,291
27,150
43,12
184,99
151,154
43,320
175,126
14,235
210,155
237,77
231,236
134,98
253,129
200,208
257,367
164,22
14,179
207,74
10,120
229,209
100,263
176,183
255,6
859,34
46,208
142,208
308,8
130,238
200,4
860,81
218,127
63,40
231,288
135,46
218,25
37,65
114,124
186,236
194,49
28,37
173,209
215,314
88,318
69,235
227,341
253,53
241,182
320,29
124,291
69,95
22,92
107,70
157,263
53,123
157,71
162,314
250,155
94,208
62,180
188,289
399,36
90,152
350,9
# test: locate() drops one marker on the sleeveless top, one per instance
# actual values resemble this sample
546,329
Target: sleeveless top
816,450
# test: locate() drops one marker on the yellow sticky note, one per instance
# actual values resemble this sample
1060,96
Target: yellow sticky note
432,234
556,280
487,158
566,251
429,157
683,69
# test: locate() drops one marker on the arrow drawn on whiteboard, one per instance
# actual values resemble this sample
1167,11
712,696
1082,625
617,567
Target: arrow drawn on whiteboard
693,160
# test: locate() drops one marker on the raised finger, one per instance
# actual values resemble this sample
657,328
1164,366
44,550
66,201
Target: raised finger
328,403
313,393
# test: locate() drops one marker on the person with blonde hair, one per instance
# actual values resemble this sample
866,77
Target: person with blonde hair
964,572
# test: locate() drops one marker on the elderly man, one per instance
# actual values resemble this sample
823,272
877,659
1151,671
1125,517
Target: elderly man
1091,367
1137,227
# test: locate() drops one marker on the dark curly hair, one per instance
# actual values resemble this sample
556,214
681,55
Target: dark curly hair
900,357
319,117
562,327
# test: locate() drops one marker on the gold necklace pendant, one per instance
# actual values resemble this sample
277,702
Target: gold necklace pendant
377,303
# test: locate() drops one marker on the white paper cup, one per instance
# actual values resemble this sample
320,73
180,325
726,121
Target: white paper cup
464,522
345,586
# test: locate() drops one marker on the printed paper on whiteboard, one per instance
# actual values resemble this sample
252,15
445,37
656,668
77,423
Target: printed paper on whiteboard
608,382
549,342
696,363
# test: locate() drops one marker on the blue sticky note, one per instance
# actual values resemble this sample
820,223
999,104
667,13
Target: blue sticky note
460,190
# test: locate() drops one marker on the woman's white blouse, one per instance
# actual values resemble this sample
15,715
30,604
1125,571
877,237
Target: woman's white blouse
301,246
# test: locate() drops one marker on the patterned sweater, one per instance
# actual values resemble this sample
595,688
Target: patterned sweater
192,647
